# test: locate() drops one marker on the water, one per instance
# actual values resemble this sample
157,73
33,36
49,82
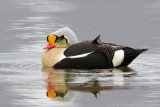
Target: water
24,26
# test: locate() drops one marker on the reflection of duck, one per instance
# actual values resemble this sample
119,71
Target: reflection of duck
85,55
56,85
59,81
110,81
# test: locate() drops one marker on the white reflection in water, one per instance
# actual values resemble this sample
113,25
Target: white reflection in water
118,77
34,47
37,23
47,5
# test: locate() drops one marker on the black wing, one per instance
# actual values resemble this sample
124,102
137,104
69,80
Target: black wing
101,58
89,46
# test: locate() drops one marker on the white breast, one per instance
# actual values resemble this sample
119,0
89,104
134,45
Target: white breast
118,58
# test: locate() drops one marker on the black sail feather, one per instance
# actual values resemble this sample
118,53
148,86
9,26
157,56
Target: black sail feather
97,40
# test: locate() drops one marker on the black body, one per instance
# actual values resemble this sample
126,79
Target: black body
101,55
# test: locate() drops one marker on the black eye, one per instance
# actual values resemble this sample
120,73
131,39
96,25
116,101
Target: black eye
47,38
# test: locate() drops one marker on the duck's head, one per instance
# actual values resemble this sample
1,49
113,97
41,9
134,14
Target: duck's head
57,42
61,38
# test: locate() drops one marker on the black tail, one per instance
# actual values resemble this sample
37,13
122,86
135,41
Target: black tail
142,50
130,55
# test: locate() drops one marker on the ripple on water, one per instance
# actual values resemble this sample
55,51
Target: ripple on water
23,71
43,6
17,67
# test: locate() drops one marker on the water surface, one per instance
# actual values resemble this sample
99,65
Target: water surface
24,26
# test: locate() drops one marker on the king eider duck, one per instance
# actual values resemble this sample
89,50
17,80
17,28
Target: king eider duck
64,51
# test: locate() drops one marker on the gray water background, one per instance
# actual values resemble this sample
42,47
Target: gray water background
24,25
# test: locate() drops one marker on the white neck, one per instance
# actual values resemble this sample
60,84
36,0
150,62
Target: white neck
70,35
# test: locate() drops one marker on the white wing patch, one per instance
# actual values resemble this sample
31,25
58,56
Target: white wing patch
79,56
76,56
118,58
